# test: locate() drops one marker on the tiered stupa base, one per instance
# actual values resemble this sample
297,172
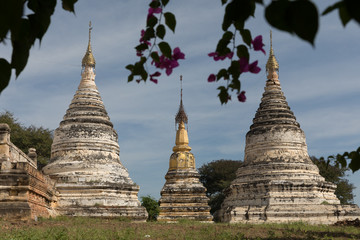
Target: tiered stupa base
283,193
183,197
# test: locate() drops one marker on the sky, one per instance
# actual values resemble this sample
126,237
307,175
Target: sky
321,84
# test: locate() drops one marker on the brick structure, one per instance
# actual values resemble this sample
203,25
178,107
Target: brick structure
25,192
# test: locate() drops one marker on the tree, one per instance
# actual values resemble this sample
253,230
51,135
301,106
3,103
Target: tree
299,17
26,137
151,206
216,176
335,173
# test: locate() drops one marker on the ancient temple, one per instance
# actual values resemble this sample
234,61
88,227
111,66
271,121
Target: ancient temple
183,195
85,162
278,182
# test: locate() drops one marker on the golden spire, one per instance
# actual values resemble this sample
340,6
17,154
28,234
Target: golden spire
272,63
88,59
181,114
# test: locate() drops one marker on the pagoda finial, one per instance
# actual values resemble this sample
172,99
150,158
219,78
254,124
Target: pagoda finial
272,64
181,114
88,59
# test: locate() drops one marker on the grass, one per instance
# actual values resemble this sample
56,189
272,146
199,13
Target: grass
69,228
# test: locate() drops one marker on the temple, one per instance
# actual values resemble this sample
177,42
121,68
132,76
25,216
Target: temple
183,195
85,162
278,182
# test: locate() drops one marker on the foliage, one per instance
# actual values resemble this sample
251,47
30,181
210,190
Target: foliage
26,137
216,176
336,174
151,206
24,30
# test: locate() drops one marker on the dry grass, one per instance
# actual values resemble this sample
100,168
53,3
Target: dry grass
63,228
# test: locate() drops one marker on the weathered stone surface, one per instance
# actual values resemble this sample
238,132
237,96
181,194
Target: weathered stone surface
183,195
85,160
278,181
25,192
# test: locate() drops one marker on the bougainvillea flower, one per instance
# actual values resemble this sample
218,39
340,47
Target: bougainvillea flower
230,55
156,74
153,11
258,44
253,67
244,65
217,57
142,40
211,78
241,96
177,54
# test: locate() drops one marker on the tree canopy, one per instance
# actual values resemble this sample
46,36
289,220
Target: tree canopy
29,137
151,206
216,176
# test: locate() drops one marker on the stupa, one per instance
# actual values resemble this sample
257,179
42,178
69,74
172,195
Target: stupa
85,161
183,195
278,182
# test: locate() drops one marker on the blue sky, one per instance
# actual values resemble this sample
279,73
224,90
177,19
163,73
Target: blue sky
321,84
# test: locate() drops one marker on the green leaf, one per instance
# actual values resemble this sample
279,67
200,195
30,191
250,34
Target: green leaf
353,8
130,67
155,56
5,74
170,20
10,15
21,42
149,33
235,85
242,51
160,31
130,77
297,16
68,5
154,4
165,49
332,8
344,15
227,36
164,2
277,15
222,74
305,20
223,95
246,36
141,47
151,22
238,11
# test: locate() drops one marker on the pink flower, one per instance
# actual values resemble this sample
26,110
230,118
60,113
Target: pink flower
156,74
153,11
244,65
177,54
242,97
258,44
142,40
211,78
217,57
253,68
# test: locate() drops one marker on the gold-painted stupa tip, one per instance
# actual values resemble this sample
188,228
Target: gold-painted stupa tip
88,59
272,63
